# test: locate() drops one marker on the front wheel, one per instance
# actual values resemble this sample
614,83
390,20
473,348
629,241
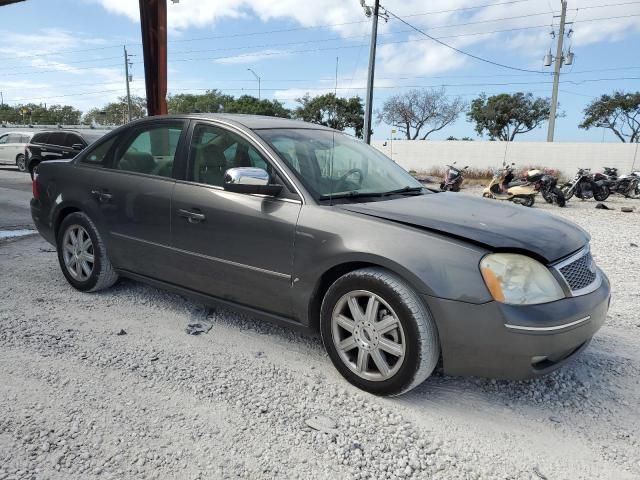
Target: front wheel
378,332
82,254
21,163
602,193
559,197
568,191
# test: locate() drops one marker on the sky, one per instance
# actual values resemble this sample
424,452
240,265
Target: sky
71,51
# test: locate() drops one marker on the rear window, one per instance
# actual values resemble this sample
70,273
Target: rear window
99,155
40,137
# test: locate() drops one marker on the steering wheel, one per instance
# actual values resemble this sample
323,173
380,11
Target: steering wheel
344,177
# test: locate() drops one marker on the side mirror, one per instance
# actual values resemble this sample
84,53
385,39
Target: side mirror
466,166
77,146
250,180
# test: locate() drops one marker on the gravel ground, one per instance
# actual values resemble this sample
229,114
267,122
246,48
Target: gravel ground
109,385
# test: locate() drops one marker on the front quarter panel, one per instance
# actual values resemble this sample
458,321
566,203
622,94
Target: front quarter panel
433,264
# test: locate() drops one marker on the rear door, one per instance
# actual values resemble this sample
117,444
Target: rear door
53,149
236,246
133,196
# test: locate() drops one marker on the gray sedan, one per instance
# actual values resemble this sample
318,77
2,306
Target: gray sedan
306,226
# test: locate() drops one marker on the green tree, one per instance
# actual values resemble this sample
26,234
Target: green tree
253,106
421,111
115,113
504,116
212,101
619,112
332,111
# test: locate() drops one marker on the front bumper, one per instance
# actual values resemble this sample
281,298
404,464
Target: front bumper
516,342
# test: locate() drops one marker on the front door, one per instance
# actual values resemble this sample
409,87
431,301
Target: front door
233,246
134,197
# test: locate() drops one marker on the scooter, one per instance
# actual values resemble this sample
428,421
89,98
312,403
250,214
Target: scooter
502,187
453,178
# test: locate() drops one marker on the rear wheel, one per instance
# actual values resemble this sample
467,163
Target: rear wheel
528,201
82,255
21,163
378,332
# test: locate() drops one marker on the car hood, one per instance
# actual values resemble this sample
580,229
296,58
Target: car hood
498,225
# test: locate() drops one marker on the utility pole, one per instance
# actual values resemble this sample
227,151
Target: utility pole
368,108
556,74
335,91
257,78
126,73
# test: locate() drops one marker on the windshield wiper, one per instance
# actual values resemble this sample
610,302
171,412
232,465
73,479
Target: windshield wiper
357,194
352,194
403,190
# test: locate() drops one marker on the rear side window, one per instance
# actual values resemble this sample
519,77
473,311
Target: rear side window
4,139
40,138
99,155
57,138
152,151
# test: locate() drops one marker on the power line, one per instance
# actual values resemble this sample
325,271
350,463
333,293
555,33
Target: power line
458,50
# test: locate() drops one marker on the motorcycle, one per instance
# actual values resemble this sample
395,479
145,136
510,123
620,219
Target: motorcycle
548,186
627,185
585,186
502,187
453,178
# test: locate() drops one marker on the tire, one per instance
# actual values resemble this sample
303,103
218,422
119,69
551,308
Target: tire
548,196
559,197
602,194
99,273
529,201
21,163
409,330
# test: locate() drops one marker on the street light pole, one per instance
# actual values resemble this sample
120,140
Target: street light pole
368,109
257,78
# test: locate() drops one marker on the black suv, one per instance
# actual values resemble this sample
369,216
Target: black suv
58,145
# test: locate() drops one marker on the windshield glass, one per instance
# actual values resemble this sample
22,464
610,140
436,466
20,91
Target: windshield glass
331,163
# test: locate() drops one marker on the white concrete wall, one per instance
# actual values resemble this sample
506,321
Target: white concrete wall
421,155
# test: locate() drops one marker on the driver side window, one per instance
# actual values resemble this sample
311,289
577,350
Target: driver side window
214,150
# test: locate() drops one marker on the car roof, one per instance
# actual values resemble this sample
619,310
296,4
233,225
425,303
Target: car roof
255,122
88,131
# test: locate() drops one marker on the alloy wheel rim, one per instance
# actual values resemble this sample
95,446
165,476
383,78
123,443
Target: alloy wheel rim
78,253
21,163
368,335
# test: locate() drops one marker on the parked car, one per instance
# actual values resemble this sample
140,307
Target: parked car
12,146
58,145
309,227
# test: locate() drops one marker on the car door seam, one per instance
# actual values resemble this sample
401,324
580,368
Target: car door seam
207,257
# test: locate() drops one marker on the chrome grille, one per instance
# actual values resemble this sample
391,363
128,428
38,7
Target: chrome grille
580,273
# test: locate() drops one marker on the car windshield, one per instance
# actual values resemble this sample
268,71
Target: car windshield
335,165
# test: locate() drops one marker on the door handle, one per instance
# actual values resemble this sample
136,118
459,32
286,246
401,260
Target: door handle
101,196
191,216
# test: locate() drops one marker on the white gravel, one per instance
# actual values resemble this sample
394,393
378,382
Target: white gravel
109,385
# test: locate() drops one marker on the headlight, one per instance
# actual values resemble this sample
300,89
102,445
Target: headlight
519,280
